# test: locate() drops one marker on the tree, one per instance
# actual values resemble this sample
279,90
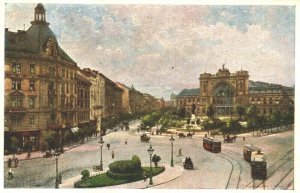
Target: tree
148,121
14,144
181,112
210,111
276,117
85,175
156,159
51,140
240,111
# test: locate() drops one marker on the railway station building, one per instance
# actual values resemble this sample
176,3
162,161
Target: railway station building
225,90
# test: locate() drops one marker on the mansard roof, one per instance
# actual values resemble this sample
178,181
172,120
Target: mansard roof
263,87
33,40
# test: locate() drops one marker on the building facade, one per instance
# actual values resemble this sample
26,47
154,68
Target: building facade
40,84
83,104
225,90
112,102
96,96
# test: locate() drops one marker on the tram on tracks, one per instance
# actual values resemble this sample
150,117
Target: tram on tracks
257,160
212,145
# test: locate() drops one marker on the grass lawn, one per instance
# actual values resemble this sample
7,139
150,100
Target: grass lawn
103,180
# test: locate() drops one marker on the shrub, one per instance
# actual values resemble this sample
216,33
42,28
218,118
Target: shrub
85,174
137,162
126,166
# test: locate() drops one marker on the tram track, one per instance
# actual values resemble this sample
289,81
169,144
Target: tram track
240,166
284,177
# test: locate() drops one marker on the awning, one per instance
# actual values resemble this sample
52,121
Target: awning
74,129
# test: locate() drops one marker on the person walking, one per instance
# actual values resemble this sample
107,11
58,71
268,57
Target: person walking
145,175
125,141
10,174
112,155
9,163
179,152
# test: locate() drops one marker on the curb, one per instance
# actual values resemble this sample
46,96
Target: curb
165,181
24,159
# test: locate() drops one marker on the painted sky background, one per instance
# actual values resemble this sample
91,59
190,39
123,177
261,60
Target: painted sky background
164,48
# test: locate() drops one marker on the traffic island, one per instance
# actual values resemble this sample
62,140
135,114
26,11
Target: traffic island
120,172
111,179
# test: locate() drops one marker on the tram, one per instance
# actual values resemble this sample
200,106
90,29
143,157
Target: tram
257,160
212,145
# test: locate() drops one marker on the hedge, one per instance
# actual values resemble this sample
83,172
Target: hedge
128,176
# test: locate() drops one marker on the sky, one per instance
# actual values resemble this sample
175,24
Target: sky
161,49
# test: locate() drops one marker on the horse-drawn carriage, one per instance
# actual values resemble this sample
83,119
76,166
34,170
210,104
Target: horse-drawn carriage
181,135
228,139
145,138
188,164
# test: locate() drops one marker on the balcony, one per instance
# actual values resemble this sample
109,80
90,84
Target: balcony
54,126
18,110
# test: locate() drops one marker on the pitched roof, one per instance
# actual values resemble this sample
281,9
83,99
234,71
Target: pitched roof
189,92
263,87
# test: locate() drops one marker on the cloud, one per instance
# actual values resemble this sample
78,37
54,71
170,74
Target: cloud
160,48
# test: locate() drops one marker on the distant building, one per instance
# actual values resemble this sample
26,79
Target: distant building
125,98
186,98
112,102
225,90
83,99
96,96
173,100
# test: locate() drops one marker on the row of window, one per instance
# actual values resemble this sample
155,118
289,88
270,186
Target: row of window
68,74
17,68
18,120
16,102
16,85
68,88
264,101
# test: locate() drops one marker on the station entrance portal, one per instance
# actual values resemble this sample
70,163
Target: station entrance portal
223,95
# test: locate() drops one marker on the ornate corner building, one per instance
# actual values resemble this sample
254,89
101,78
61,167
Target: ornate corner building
225,90
40,83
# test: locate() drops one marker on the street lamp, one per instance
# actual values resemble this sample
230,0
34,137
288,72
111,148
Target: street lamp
56,155
172,140
101,144
150,151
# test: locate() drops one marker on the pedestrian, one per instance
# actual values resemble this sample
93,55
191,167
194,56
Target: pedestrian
9,163
108,146
112,155
16,162
10,174
145,175
28,154
125,141
179,152
244,138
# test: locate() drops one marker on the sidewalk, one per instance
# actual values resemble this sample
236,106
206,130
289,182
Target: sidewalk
169,174
39,154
